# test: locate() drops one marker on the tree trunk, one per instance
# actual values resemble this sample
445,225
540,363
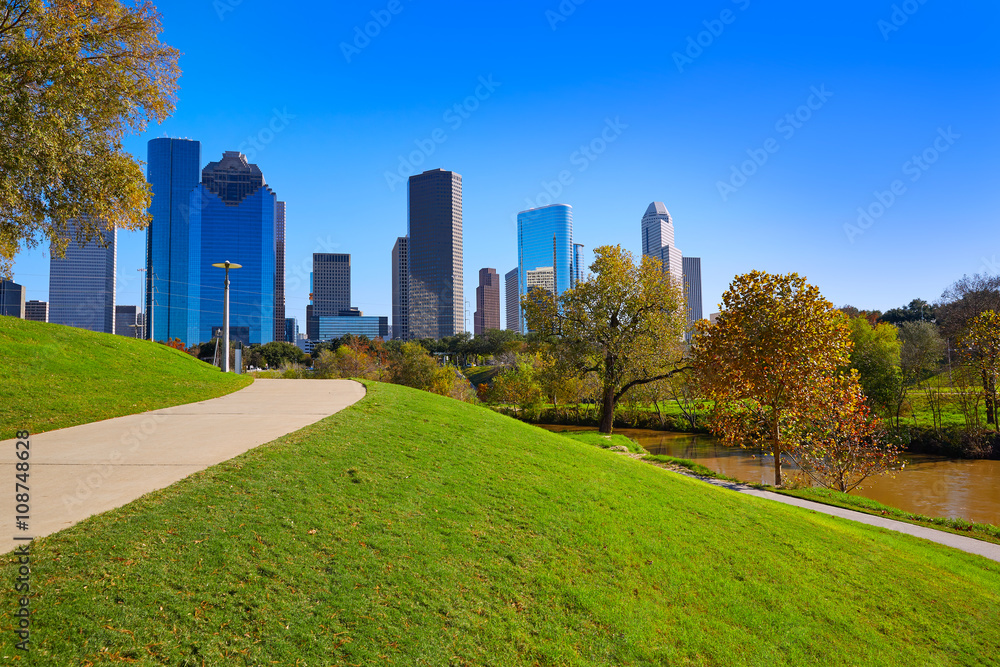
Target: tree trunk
608,410
776,450
990,400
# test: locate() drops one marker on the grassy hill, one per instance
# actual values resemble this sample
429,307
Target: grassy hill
412,529
55,376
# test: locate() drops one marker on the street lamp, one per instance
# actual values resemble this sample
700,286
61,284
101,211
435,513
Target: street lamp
142,307
225,314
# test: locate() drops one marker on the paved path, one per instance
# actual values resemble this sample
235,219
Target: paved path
967,544
84,470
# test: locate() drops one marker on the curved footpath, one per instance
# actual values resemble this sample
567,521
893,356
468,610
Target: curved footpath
84,470
968,544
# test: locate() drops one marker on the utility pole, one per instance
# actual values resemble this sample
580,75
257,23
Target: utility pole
225,313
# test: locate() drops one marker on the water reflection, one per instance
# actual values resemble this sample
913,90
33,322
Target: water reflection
930,485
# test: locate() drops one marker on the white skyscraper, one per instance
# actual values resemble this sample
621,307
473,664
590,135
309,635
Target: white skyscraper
658,240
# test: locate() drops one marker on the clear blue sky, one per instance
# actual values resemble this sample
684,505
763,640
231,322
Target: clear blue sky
889,91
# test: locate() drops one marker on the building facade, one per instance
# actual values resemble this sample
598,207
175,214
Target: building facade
331,283
12,299
291,330
331,328
545,244
401,288
658,240
36,311
279,273
232,218
487,302
436,255
513,301
579,264
692,288
82,283
127,321
173,172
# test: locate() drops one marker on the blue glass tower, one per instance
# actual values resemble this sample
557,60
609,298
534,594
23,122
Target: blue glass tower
233,217
545,254
173,173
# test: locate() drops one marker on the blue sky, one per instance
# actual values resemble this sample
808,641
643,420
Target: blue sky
667,98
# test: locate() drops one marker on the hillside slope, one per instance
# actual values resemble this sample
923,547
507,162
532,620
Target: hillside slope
412,529
53,376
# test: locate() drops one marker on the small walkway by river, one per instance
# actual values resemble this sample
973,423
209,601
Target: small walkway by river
967,544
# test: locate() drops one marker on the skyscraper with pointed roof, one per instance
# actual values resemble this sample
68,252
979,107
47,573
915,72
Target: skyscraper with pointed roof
658,240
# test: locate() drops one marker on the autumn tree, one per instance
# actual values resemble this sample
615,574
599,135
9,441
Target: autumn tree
624,323
980,346
875,354
839,441
75,78
764,360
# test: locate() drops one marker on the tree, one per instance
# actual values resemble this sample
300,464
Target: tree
965,299
920,357
75,78
517,387
876,356
764,359
980,346
917,310
275,354
841,443
624,323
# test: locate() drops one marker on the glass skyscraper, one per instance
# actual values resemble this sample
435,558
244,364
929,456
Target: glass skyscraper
401,288
436,255
279,274
658,240
512,297
173,173
233,217
545,249
82,284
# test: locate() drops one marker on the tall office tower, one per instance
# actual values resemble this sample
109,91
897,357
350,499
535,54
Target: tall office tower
543,277
82,284
692,288
579,264
513,301
173,174
232,218
12,299
400,288
127,321
487,302
545,241
291,330
36,311
437,290
330,282
279,273
658,240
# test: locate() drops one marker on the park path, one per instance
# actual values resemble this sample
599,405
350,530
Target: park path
968,544
84,470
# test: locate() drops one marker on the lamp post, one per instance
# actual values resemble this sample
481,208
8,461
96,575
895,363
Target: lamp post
225,313
141,332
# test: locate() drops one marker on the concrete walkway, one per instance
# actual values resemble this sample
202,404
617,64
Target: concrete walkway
967,544
84,470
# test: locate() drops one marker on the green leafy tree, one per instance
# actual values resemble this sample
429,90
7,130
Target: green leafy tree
276,354
623,323
764,360
75,78
876,356
980,345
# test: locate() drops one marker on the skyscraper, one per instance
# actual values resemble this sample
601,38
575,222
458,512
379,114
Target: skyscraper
291,330
82,284
232,218
487,302
279,273
127,321
579,265
437,298
36,311
658,240
545,241
12,299
173,174
401,288
692,288
513,301
331,283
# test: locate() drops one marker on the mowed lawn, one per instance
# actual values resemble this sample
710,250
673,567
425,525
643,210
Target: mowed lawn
412,529
56,376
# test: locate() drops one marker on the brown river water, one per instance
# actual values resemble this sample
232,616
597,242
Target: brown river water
934,486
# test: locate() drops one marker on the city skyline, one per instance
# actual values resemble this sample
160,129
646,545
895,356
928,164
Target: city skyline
867,108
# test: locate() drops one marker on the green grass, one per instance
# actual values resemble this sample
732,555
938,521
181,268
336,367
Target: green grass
694,467
598,439
983,531
482,374
412,529
56,376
